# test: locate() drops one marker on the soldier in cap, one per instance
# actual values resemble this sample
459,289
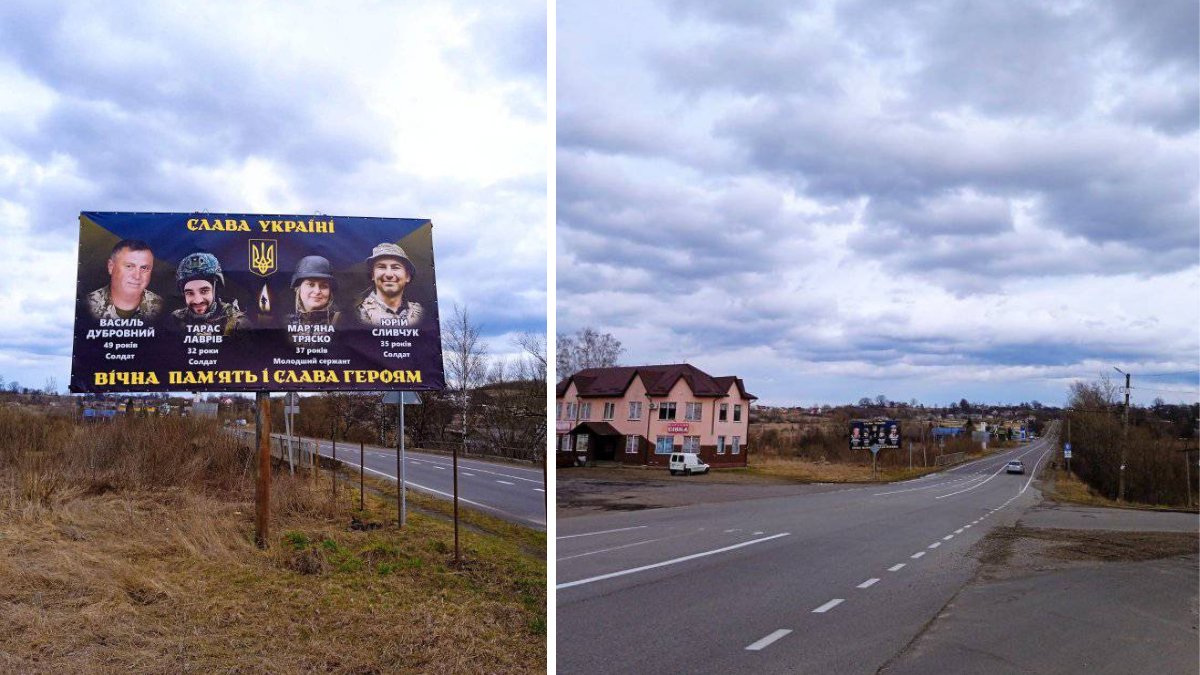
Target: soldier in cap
200,280
391,272
314,285
127,295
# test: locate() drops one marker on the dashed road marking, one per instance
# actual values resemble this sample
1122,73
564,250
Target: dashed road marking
918,554
935,544
590,534
828,606
504,482
760,644
868,583
896,567
947,537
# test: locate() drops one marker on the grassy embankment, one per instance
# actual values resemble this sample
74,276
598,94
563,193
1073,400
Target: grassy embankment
128,548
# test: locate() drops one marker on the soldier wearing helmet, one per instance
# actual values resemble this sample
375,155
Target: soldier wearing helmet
127,295
314,285
200,280
391,272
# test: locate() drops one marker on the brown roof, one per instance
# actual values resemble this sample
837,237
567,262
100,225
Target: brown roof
613,382
598,428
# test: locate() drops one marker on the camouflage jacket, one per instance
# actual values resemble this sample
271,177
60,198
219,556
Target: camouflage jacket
100,304
372,310
225,314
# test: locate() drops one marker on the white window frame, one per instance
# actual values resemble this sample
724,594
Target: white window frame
558,411
662,411
585,411
691,444
736,446
631,445
693,412
565,443
581,443
658,444
737,413
635,410
720,445
610,409
723,416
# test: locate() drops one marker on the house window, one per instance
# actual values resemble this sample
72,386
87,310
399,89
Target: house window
635,410
666,411
565,443
736,445
581,443
724,415
691,444
737,413
720,445
631,445
585,411
664,445
610,409
571,411
558,411
692,412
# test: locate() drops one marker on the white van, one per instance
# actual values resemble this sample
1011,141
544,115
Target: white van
686,463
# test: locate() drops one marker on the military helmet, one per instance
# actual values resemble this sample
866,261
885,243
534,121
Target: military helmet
313,267
388,250
198,266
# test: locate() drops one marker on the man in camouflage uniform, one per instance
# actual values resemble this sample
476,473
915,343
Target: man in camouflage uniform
391,272
127,295
201,281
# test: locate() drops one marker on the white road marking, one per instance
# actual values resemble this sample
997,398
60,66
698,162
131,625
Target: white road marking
441,468
733,530
967,527
1032,473
757,533
504,482
468,474
673,561
947,537
590,534
868,583
935,544
828,606
538,490
918,554
759,645
896,568
606,550
959,530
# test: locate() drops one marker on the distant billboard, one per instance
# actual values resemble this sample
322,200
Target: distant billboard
245,302
884,433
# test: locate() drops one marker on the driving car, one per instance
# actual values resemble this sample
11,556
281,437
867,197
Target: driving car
1015,466
686,463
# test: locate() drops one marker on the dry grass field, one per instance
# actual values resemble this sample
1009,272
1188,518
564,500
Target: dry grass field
128,549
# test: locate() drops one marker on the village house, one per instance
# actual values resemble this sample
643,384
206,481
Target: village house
641,414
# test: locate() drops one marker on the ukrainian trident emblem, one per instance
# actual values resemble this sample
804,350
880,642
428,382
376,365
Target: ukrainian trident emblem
263,257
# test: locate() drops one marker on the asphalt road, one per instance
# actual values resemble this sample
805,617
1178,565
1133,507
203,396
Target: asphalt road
830,582
504,489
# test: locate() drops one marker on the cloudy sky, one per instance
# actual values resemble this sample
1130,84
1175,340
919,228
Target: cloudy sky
933,199
415,109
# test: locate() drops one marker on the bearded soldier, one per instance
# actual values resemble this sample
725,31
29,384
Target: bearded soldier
127,295
200,280
391,273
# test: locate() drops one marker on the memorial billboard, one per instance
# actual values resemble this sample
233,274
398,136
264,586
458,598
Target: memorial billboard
248,302
884,433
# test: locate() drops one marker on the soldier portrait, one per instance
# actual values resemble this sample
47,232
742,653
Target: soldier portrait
384,302
127,295
200,280
314,285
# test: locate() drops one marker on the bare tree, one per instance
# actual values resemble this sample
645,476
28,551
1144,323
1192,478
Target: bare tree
587,348
466,365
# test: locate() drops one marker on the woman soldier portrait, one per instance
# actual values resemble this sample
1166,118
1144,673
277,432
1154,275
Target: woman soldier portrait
314,285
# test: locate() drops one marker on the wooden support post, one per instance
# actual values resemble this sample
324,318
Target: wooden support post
456,502
262,483
361,477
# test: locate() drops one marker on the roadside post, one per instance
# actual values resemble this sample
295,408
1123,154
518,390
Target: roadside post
874,457
910,444
361,477
262,479
291,406
1067,456
401,399
333,464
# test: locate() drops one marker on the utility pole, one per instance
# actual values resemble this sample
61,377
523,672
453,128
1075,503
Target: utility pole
1068,460
262,478
1124,439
